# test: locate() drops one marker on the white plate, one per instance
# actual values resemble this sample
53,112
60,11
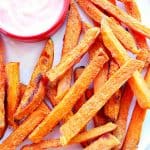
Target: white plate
28,53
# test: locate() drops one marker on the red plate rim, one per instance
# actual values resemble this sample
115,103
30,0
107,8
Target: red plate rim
45,34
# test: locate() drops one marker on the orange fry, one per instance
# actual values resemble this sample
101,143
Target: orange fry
123,115
111,109
105,142
35,90
2,90
93,133
124,36
73,55
13,91
135,127
52,143
82,137
136,123
137,83
123,16
17,136
100,80
78,71
144,54
69,100
73,126
71,37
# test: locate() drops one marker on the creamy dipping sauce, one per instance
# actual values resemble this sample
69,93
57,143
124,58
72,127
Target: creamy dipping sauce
29,17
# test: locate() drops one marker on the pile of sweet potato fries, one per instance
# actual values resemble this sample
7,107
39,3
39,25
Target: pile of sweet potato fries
115,76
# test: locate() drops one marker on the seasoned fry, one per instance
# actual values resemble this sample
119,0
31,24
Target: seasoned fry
13,91
123,16
111,109
72,56
93,133
100,80
36,94
144,54
35,90
91,10
123,115
71,37
132,9
137,83
135,127
105,142
75,92
2,90
98,100
78,71
82,137
124,36
16,137
52,143
136,123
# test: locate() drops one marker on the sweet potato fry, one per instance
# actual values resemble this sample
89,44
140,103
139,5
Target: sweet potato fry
124,36
78,71
2,90
82,137
71,37
98,100
111,109
75,92
144,54
13,91
106,142
93,133
17,136
123,16
135,126
100,80
137,83
75,54
123,115
52,143
35,90
35,95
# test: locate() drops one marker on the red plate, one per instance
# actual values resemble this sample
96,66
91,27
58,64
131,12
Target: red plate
45,34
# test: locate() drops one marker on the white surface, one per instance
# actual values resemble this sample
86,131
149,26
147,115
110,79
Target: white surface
18,18
27,54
